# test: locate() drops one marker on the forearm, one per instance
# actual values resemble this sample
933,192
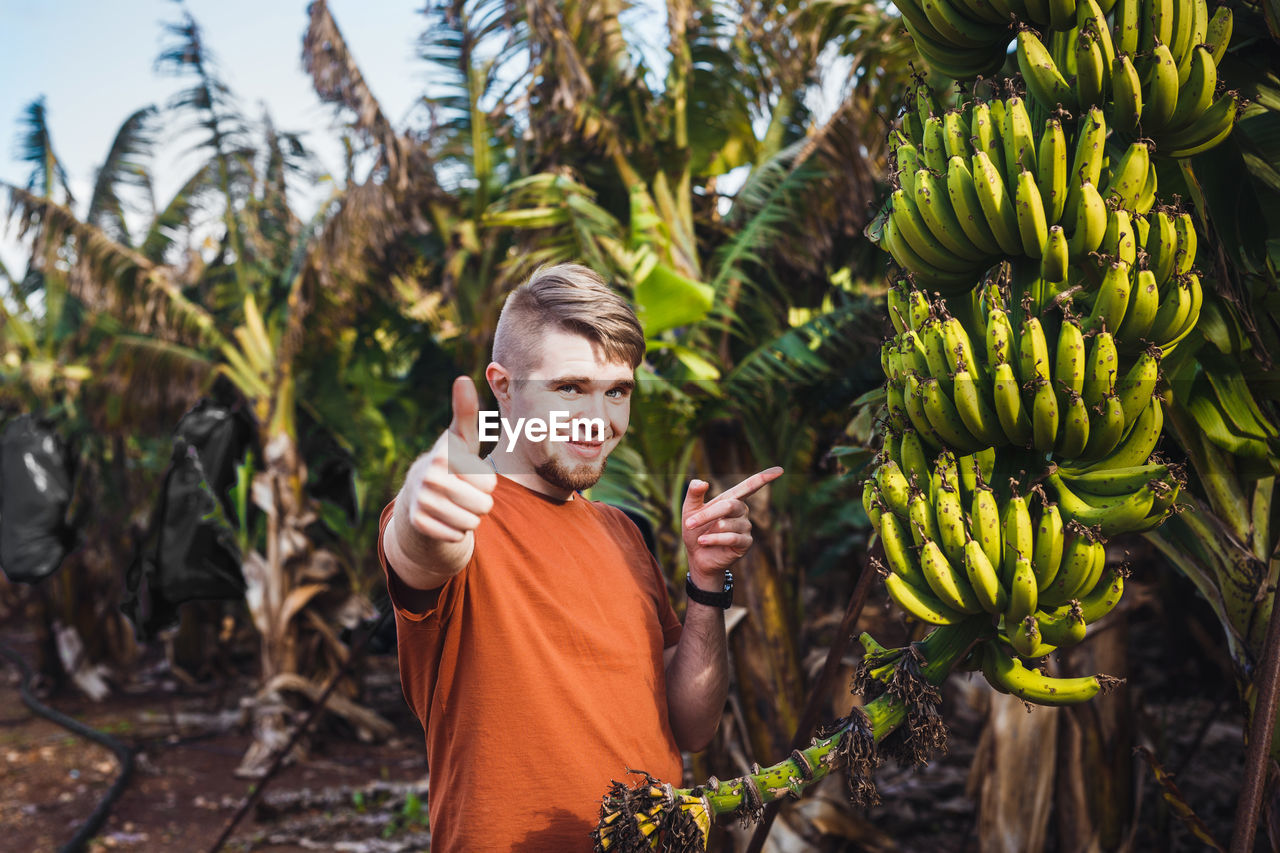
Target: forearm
698,677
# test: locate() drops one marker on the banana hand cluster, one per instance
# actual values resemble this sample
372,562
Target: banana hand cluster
1062,387
964,39
1154,66
956,550
979,185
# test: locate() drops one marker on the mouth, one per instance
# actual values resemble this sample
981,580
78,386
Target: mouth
587,449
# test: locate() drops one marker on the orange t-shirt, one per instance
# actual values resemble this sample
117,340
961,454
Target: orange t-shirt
538,674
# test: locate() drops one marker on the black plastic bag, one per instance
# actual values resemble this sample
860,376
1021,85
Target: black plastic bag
36,475
190,550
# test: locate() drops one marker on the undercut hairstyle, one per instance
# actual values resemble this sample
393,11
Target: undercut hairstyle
571,298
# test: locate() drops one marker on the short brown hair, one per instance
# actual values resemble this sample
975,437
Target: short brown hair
574,299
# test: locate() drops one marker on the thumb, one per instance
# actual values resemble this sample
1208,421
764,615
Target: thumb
694,497
466,411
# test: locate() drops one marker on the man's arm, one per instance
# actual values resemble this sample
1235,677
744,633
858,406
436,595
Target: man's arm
430,535
697,677
716,534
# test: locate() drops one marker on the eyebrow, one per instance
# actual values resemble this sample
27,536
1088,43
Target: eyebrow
629,384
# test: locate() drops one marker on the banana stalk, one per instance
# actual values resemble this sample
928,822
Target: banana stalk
656,816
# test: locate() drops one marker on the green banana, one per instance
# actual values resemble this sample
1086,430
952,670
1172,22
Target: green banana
1007,398
1054,256
1069,363
1137,386
922,605
1091,69
975,412
1100,372
1104,597
1090,222
1078,560
968,209
913,404
1128,25
951,587
1144,302
1218,35
1073,435
1112,300
1126,95
1128,177
985,524
1044,416
946,421
1031,685
1033,229
997,207
934,204
983,579
1050,540
986,134
1196,94
894,487
1033,351
920,519
949,517
1160,96
999,337
1044,81
1018,138
897,544
1211,128
1117,481
1064,627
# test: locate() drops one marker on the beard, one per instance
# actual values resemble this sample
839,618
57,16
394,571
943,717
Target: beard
574,478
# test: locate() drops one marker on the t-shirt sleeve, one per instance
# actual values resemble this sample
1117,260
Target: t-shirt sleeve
428,605
667,618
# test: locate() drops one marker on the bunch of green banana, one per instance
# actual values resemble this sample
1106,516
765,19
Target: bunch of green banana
965,39
1064,388
956,550
1154,66
978,185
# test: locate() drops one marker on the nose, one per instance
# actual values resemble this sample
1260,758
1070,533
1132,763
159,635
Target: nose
593,408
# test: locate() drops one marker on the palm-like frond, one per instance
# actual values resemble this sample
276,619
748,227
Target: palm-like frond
209,99
125,165
142,385
337,80
177,214
113,276
35,146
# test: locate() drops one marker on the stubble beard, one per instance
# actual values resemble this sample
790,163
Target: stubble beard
577,478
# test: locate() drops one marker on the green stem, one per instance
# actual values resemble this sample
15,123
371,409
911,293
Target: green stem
942,650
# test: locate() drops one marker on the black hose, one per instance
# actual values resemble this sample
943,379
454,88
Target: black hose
124,754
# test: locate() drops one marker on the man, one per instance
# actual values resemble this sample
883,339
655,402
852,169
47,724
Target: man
537,643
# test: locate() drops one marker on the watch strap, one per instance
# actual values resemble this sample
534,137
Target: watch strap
722,599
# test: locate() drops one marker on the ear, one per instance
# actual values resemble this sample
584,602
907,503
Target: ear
499,380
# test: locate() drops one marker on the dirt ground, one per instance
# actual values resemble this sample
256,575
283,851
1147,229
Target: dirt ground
346,796
350,796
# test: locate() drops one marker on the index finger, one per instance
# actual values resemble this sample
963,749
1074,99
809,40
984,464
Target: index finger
751,485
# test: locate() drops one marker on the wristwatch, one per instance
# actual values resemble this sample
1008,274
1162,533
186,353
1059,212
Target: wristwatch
722,599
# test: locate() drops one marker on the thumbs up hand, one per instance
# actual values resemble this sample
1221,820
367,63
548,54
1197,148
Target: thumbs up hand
450,488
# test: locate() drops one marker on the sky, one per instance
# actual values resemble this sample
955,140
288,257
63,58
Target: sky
93,62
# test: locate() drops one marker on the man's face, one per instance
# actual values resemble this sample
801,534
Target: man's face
572,377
